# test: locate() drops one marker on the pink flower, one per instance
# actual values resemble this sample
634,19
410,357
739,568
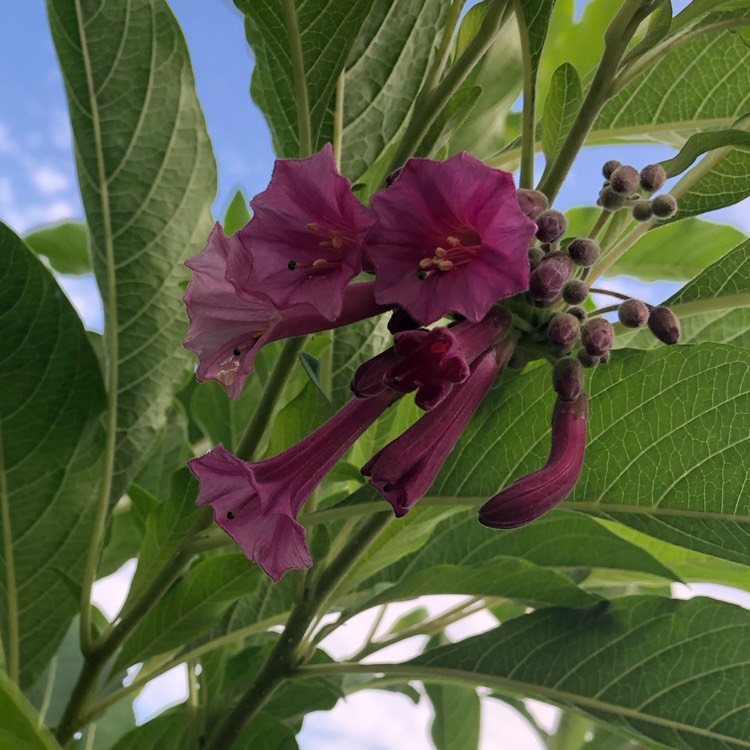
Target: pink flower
229,324
536,493
306,234
450,237
257,503
404,470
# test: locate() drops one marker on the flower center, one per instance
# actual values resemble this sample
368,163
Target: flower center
332,247
454,253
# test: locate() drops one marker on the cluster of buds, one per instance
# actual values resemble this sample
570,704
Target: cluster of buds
624,186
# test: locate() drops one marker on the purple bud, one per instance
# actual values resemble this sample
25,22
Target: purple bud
563,330
664,324
610,167
664,206
548,278
624,179
567,378
643,211
586,359
653,177
597,336
579,312
584,252
532,202
550,226
575,291
633,313
611,200
536,254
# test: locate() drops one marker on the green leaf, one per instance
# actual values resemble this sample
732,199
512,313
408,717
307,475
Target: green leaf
65,246
147,178
191,607
410,619
21,728
50,455
456,723
454,114
662,668
168,731
326,32
668,252
266,732
560,109
237,215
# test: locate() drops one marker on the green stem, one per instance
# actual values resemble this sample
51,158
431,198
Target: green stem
267,403
283,661
13,639
619,295
528,116
298,72
338,120
599,224
436,72
616,39
711,304
193,707
608,260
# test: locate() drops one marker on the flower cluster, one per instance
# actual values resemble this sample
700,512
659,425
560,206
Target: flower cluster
444,242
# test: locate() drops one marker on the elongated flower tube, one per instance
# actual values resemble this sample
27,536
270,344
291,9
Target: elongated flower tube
257,503
404,469
536,493
229,324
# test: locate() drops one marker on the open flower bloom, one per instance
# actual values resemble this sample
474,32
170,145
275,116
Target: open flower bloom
450,236
229,324
306,234
536,493
257,503
404,470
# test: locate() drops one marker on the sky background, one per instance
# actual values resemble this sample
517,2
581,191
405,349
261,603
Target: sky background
38,187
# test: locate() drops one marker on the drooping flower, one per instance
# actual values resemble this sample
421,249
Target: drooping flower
404,469
536,493
306,234
229,324
450,237
257,503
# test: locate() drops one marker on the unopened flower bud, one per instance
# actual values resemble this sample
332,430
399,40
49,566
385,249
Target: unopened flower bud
664,324
653,177
575,291
633,313
664,206
563,330
586,359
597,336
548,278
536,254
610,167
551,225
400,320
568,378
584,252
643,211
578,312
532,202
624,179
611,200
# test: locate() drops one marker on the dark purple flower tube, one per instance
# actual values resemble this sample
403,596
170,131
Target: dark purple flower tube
536,493
404,469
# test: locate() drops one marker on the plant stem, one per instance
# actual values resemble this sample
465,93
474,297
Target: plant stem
711,304
300,83
618,251
599,224
438,66
13,638
570,733
619,295
193,707
267,402
338,120
283,661
528,116
616,39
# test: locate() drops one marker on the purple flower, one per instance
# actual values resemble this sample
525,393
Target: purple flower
450,237
257,503
306,234
404,470
229,324
536,493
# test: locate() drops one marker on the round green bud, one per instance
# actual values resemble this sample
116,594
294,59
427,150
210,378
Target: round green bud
536,254
575,291
597,336
664,206
586,359
532,202
633,313
643,211
624,179
664,324
610,167
568,378
610,200
563,331
550,225
653,177
584,252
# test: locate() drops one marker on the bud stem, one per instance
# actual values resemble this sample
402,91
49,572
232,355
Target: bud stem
599,224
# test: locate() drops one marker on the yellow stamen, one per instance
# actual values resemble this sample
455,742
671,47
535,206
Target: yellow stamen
426,263
326,244
453,241
313,226
445,265
337,242
319,263
440,252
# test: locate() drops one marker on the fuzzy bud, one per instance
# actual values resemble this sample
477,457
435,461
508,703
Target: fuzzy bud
578,312
584,252
597,336
563,330
664,206
575,291
586,359
624,179
664,324
633,313
610,167
536,255
548,278
550,226
653,177
532,202
643,211
567,378
610,200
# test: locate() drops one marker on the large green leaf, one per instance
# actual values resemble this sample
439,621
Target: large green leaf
457,710
326,30
20,728
50,455
665,669
65,246
560,109
700,143
147,178
668,437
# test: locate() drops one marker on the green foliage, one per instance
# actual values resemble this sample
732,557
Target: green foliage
560,109
20,729
65,246
457,713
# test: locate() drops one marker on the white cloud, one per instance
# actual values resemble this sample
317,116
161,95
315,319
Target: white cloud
49,180
109,593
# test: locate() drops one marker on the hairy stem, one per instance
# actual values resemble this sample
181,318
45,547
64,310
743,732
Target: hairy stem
528,116
711,304
300,83
599,224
